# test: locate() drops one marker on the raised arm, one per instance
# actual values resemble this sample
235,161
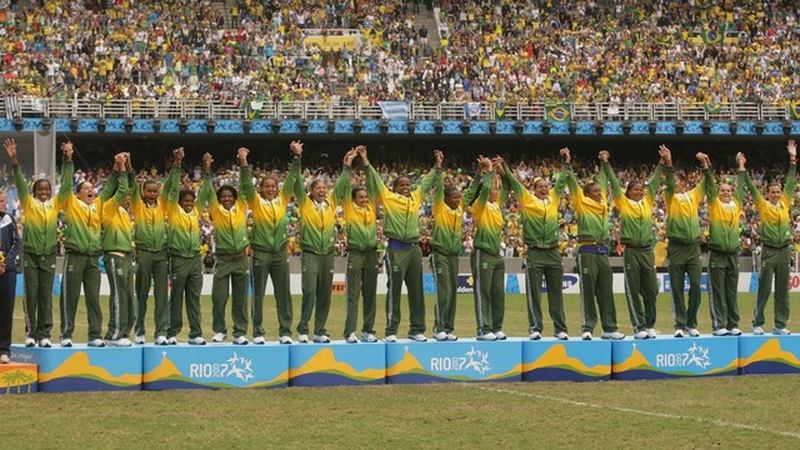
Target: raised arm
376,189
122,187
669,180
791,176
343,184
67,173
427,181
709,181
748,182
246,187
206,197
655,180
19,179
569,176
288,185
513,182
605,168
110,186
171,190
299,186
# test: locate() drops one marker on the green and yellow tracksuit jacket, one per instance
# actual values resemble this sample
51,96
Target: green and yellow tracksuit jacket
269,216
318,220
636,217
40,219
592,215
150,221
724,218
539,217
775,223
362,231
488,218
82,234
230,225
116,221
448,236
400,213
683,215
183,228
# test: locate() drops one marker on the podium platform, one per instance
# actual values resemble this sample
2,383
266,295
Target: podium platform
414,362
337,363
214,366
18,378
769,354
83,368
549,359
668,357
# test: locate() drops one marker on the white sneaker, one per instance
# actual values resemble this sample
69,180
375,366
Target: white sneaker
259,340
369,337
66,343
500,336
140,340
197,341
586,336
30,342
735,331
124,342
693,332
352,339
721,332
640,335
678,333
452,337
613,335
651,333
390,338
535,336
321,339
303,339
561,336
418,337
487,337
781,332
172,341
161,340
96,343
758,331
241,340
4,359
219,337
285,340
45,343
440,336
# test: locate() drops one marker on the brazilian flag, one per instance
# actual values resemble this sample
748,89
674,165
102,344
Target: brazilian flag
794,110
711,37
665,40
499,110
557,111
712,107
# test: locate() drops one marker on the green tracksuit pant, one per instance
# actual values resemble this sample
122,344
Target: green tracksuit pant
120,300
80,269
405,265
684,259
263,266
774,264
488,272
186,275
723,280
317,285
641,287
151,270
362,279
230,275
544,263
38,272
445,273
596,283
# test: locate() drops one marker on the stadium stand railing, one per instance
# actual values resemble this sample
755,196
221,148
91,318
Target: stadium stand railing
195,108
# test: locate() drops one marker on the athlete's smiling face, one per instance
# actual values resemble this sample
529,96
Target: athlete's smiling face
725,192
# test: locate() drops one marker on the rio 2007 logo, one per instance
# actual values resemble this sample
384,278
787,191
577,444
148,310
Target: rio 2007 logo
694,356
472,361
236,366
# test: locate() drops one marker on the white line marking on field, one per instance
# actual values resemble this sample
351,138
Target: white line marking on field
717,422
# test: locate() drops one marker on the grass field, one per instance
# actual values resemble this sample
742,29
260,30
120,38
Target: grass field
726,412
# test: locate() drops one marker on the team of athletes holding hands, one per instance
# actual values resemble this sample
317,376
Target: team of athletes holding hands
164,236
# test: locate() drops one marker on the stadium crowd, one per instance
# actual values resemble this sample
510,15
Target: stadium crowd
513,246
578,51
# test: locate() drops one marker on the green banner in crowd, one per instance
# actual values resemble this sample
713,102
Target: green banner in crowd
712,107
557,111
500,110
794,110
